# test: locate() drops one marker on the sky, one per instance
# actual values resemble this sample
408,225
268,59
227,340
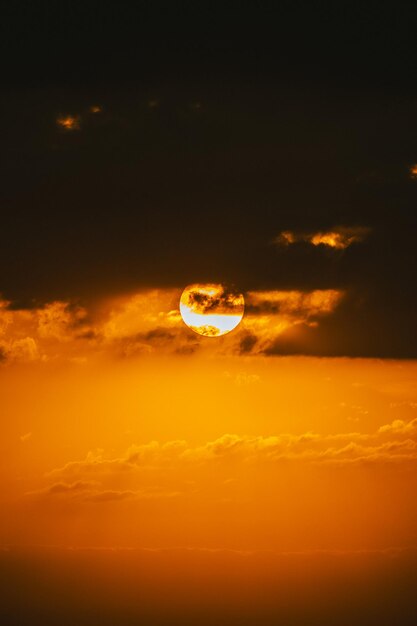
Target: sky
153,474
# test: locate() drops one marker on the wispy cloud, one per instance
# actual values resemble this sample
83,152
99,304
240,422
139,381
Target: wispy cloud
93,491
400,427
163,469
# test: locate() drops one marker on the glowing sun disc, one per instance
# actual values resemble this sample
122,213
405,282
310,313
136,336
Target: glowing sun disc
211,309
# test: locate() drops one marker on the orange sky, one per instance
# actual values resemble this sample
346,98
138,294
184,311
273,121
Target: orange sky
124,430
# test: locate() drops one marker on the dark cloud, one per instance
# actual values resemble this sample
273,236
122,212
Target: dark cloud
223,300
247,343
158,333
360,327
308,132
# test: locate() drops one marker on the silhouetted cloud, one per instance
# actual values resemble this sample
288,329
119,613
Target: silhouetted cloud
90,228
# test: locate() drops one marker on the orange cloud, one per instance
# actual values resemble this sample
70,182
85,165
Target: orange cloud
270,313
301,304
339,238
140,313
33,334
90,491
57,320
150,322
69,122
147,461
400,427
25,349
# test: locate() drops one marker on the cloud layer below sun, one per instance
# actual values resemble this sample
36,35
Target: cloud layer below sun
139,472
217,450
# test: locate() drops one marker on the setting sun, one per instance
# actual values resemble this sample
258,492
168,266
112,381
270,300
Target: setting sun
211,310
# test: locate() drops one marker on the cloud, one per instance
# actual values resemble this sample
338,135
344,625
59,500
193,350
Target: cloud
309,447
149,322
221,468
247,343
146,323
25,349
63,489
57,319
149,455
353,453
38,333
319,322
93,491
339,238
112,495
272,314
144,459
300,304
400,427
149,311
212,298
137,249
69,123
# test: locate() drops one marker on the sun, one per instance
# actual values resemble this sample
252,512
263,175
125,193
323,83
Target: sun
211,310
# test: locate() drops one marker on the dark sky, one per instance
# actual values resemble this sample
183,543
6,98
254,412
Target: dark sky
297,116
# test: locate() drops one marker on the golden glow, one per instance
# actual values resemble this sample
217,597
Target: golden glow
211,309
413,171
